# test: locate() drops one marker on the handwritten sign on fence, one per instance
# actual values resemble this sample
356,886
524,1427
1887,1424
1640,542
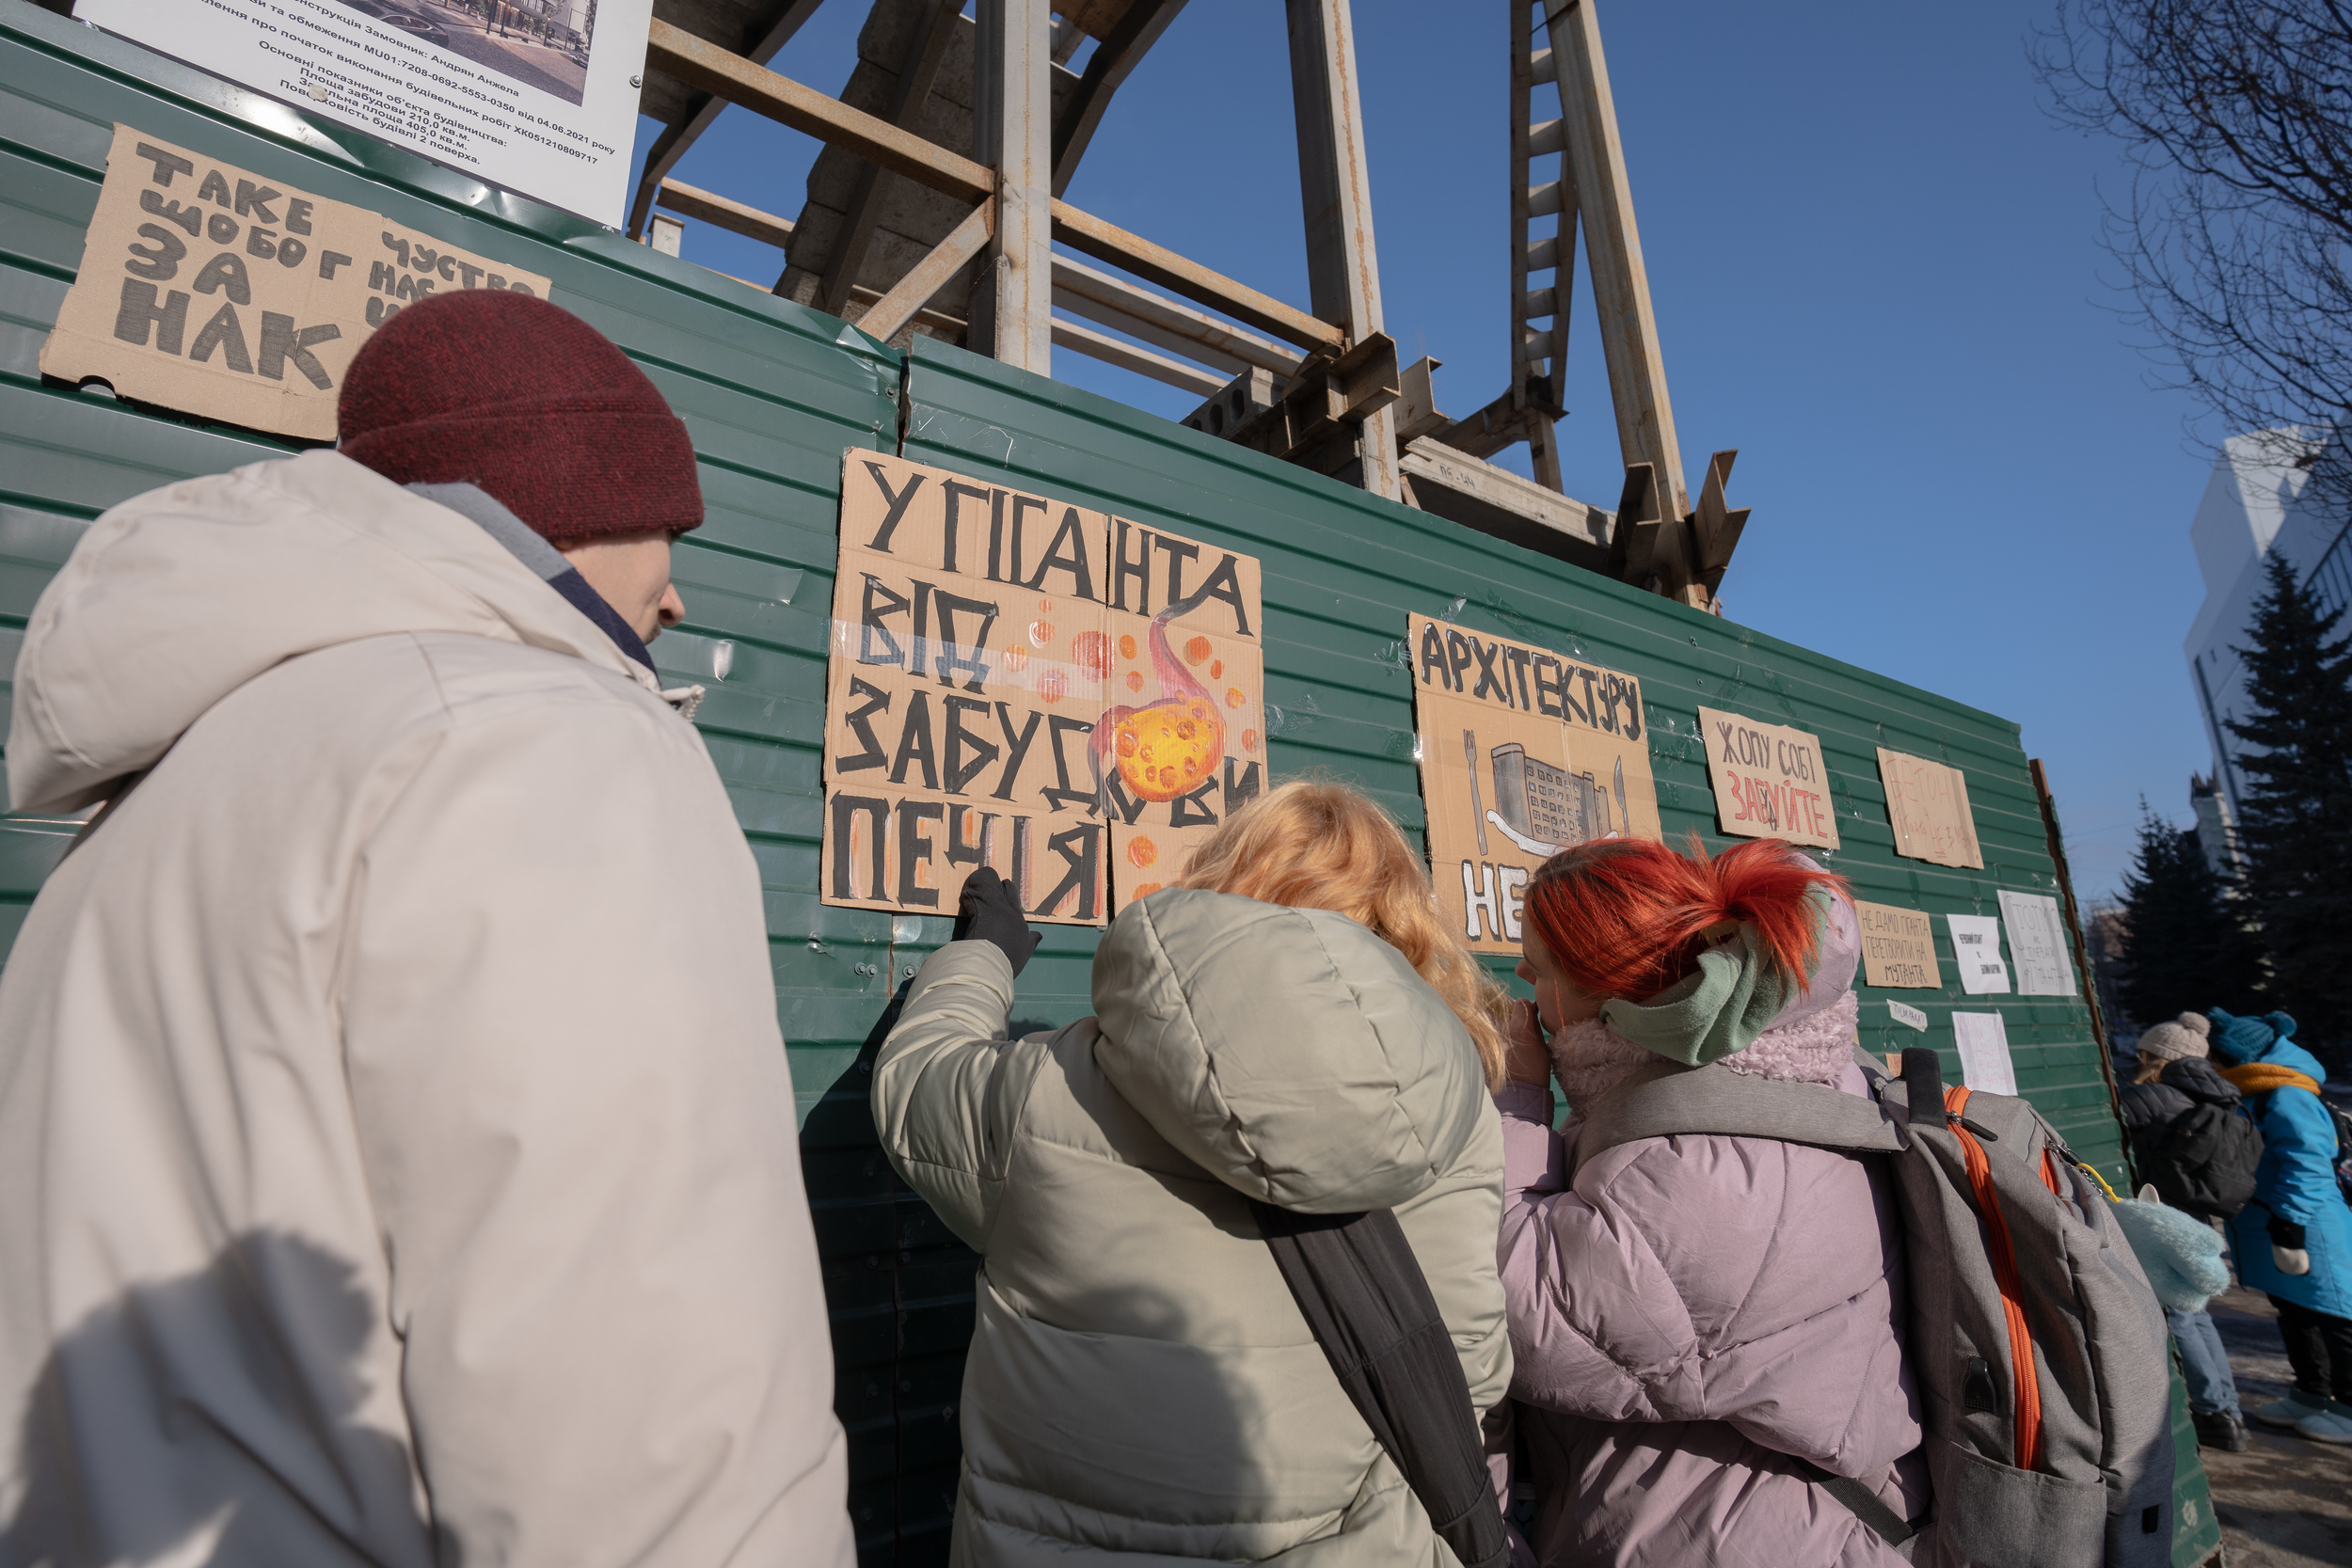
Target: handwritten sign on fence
1770,781
207,289
1898,947
1071,697
1524,752
1928,805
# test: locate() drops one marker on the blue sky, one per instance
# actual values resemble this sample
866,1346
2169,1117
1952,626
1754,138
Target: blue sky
1876,270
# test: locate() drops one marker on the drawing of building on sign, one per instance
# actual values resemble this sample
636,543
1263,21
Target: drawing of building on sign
1534,797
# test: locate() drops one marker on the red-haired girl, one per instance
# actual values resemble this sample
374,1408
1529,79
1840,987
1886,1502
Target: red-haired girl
1704,1327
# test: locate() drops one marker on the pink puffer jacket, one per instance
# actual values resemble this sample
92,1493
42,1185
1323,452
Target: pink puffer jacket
1688,1313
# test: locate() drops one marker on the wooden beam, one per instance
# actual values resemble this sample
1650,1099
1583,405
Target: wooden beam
916,73
1114,57
1612,248
671,144
931,273
1106,242
1335,188
1012,131
1127,357
704,64
719,212
1140,313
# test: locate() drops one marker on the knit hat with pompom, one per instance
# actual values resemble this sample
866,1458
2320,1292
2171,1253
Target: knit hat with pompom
2170,1042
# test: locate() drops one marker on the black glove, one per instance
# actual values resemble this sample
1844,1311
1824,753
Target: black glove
2285,1233
988,911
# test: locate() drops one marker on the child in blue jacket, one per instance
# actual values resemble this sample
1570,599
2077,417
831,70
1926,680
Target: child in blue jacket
2294,1241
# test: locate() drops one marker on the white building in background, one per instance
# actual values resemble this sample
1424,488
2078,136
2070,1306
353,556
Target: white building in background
2254,506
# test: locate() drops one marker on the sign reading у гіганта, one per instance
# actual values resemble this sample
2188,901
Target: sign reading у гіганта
1068,697
1523,753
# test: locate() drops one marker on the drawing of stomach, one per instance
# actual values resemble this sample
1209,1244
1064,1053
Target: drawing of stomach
1170,747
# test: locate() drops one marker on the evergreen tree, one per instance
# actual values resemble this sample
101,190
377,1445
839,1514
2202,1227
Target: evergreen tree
2295,822
2185,945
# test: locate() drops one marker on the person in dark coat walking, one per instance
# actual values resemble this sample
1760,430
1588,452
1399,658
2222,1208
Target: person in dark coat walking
2174,1078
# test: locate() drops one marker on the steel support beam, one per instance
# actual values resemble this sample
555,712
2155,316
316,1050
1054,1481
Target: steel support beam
1612,248
719,212
1130,40
1335,185
916,73
1012,299
1140,313
671,144
950,257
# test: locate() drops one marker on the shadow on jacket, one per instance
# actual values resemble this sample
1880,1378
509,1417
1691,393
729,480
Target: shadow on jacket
2297,1179
1140,1379
281,1412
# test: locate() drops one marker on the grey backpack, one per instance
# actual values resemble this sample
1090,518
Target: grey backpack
2040,1352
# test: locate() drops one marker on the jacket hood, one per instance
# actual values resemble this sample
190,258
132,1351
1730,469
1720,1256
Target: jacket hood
1291,1054
2195,1077
177,597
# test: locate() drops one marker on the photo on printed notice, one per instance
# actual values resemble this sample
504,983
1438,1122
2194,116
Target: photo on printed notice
540,43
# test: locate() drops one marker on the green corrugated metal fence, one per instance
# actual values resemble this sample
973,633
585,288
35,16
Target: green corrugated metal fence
772,393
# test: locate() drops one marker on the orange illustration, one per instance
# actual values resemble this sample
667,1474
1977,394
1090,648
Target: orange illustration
1135,680
1053,687
1126,647
1091,650
1016,659
1216,669
1196,650
1235,696
1250,742
1040,632
1142,851
1170,747
1144,892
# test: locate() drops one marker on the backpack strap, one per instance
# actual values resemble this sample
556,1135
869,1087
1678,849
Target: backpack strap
1665,1098
1361,1289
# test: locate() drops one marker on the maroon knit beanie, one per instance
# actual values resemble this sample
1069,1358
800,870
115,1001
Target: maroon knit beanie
527,400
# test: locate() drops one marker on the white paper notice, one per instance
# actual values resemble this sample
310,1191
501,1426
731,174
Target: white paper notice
1984,1062
1977,946
2037,940
535,98
1911,1016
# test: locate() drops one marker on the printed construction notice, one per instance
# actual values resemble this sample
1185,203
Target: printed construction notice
539,97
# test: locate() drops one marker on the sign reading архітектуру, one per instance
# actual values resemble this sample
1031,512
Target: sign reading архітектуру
1770,780
207,289
1523,753
1069,698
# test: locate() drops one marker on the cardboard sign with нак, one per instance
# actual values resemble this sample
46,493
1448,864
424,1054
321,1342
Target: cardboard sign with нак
1017,681
1523,753
1770,780
205,289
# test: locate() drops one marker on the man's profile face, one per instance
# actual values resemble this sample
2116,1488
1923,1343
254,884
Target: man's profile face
632,572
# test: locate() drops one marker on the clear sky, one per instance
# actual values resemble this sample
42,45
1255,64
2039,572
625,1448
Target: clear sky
1877,273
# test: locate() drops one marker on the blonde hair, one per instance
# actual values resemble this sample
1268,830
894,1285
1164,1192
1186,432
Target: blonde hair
2149,1073
1314,845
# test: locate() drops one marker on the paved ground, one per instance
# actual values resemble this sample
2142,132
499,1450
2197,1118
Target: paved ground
2285,1502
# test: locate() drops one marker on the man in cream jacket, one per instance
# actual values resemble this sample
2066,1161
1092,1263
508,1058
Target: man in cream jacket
396,1144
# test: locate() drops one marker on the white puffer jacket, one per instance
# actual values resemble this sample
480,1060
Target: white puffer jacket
396,1155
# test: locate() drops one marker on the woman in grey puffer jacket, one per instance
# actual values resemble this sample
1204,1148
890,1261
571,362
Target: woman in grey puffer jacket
1292,1024
1702,1325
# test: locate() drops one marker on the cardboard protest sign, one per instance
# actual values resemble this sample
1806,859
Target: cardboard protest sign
1928,805
1898,947
205,289
1976,949
1014,681
1523,753
2036,940
1770,781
